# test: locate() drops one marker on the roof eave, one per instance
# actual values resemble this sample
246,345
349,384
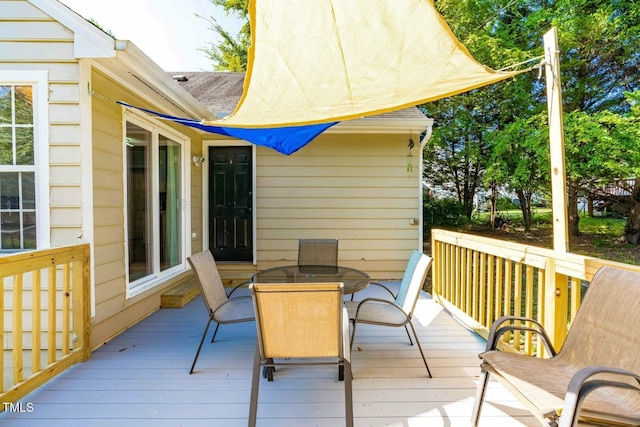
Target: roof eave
373,125
135,69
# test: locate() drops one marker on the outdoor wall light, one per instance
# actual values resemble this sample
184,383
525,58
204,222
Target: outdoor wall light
197,161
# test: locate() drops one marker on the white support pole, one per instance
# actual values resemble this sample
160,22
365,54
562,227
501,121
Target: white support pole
556,142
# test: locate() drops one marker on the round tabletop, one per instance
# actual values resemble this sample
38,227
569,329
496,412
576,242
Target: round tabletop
353,280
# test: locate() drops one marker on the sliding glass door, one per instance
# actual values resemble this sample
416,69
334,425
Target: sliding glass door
155,203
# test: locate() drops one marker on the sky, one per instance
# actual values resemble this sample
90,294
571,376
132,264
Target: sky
166,30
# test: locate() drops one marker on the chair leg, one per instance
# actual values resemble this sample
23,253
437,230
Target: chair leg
204,334
480,392
215,332
348,393
408,334
353,334
255,383
424,359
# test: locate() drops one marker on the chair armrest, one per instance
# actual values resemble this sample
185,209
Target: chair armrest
581,385
528,325
245,283
384,287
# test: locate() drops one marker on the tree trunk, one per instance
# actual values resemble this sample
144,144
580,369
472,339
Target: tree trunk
525,208
573,212
631,233
494,205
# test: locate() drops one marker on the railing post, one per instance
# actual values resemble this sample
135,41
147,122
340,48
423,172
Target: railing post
556,297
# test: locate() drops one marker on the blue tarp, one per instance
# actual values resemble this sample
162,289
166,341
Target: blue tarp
286,140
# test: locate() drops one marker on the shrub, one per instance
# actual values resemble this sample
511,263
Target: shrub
443,212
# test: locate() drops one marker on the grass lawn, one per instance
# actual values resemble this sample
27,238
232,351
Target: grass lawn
600,236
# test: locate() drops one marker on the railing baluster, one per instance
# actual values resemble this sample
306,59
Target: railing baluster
66,312
490,291
36,312
17,329
51,312
528,303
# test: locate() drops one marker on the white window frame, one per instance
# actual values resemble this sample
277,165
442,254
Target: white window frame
39,80
156,128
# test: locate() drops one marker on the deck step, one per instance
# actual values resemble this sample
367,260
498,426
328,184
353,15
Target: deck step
181,294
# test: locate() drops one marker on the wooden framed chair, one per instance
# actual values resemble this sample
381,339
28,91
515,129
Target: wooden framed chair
301,324
318,252
220,307
595,377
399,312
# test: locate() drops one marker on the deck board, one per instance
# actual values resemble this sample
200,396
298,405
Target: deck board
141,378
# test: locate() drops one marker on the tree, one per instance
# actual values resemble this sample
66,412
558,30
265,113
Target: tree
231,53
594,79
631,128
520,161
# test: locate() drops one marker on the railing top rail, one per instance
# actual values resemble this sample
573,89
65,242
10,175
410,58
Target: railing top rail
23,262
570,264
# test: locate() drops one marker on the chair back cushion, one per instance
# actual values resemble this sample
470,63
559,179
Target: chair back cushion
604,332
299,319
207,275
412,281
318,252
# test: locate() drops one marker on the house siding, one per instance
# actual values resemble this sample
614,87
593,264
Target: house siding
113,311
31,40
355,188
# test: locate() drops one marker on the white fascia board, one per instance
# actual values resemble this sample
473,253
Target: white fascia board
89,40
374,125
136,62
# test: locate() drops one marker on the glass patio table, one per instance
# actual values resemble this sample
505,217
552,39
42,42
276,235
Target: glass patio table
353,280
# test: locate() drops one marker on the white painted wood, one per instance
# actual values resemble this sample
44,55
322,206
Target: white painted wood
141,378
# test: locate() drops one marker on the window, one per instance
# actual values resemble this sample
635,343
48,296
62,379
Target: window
23,220
155,202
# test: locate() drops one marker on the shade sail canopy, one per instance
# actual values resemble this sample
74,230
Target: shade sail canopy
318,61
313,63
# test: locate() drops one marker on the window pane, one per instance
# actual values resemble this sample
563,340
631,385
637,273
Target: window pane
29,230
28,190
24,105
9,191
10,230
169,163
139,219
24,146
6,146
5,105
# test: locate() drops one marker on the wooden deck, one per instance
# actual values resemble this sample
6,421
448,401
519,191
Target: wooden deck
141,378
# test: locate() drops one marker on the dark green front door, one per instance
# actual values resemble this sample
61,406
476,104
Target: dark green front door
230,203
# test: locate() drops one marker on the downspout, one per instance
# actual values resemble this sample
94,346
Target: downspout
423,143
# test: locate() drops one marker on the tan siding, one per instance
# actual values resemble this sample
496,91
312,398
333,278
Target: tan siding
355,188
37,51
21,10
66,196
31,40
108,197
43,31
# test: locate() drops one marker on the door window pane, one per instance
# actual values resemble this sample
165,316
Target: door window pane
170,194
139,209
